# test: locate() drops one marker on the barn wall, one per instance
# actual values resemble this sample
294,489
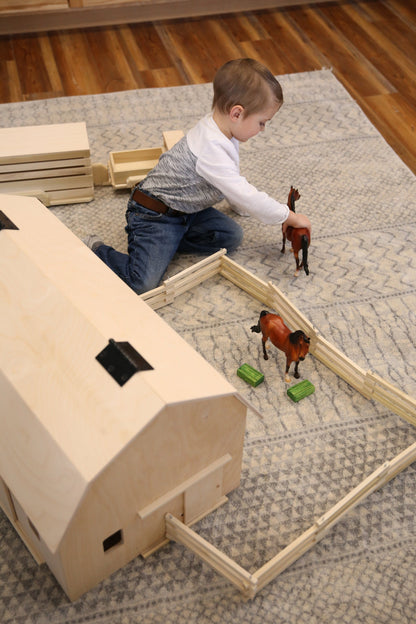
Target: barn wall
199,443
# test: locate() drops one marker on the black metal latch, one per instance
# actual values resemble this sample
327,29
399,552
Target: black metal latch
121,361
5,223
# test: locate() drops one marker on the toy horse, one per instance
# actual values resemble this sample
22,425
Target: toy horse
294,344
299,237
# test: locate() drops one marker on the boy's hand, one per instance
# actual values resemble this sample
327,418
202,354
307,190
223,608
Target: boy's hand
297,220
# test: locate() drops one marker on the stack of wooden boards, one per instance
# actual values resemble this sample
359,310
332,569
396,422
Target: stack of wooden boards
51,162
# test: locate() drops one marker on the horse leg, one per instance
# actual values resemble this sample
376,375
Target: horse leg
296,373
305,245
283,249
298,263
264,340
287,378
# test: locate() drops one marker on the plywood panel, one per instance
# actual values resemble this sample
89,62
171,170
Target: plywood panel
59,306
43,142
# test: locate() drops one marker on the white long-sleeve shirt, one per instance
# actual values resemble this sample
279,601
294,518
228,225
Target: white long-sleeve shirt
202,169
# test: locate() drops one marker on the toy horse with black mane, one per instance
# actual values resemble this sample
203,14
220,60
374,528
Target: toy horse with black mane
294,344
299,237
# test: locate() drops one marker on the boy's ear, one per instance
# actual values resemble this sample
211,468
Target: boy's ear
236,112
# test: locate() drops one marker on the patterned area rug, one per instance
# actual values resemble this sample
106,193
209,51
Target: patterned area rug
300,458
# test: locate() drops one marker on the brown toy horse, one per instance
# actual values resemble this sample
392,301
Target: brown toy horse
299,237
294,344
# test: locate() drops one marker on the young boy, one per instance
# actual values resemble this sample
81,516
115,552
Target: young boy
171,210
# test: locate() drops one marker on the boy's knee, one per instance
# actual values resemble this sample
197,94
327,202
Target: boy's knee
235,238
141,286
142,282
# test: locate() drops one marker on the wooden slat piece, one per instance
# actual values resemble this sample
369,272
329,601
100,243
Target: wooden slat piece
44,174
385,393
179,532
184,280
290,314
171,137
245,280
44,164
197,478
132,164
339,363
43,143
318,530
250,584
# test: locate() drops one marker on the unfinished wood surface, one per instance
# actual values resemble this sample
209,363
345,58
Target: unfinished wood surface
185,280
44,166
49,162
130,166
179,532
85,441
60,197
369,44
320,528
45,142
251,584
60,183
47,173
170,137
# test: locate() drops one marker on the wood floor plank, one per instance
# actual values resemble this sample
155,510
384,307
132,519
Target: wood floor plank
380,49
6,60
112,70
165,77
33,76
202,32
354,70
153,54
370,45
396,120
267,49
194,55
51,66
227,46
173,53
404,9
11,90
298,50
393,28
76,64
243,27
132,52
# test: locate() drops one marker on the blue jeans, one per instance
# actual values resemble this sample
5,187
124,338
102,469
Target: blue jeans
153,240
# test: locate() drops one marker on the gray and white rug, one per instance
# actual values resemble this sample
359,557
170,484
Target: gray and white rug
300,458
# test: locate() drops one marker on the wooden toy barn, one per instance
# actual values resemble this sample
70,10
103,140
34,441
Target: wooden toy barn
109,420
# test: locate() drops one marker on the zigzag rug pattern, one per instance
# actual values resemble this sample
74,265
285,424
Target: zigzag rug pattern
299,459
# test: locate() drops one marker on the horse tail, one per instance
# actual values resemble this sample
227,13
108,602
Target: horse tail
257,328
291,202
305,245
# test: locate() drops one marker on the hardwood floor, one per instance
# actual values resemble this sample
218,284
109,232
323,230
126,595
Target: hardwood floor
369,44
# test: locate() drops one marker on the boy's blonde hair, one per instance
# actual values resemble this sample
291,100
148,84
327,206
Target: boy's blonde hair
245,82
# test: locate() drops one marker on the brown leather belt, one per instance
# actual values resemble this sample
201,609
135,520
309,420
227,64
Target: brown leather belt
151,202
